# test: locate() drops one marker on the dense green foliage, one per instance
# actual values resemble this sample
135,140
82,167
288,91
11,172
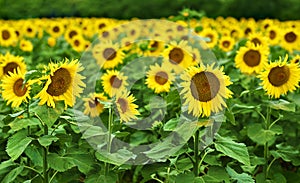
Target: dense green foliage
125,9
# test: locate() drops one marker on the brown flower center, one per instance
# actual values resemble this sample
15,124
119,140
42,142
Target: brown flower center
76,42
123,104
5,34
115,82
256,41
72,34
211,37
279,75
252,58
56,29
109,53
19,89
60,82
161,77
94,103
226,44
290,37
10,67
154,46
29,30
272,34
247,31
102,25
204,86
176,56
105,34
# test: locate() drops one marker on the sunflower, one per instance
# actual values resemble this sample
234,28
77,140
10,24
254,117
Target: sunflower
296,59
251,59
204,89
29,29
71,32
78,43
212,35
13,89
257,38
63,83
159,78
226,43
8,36
26,45
154,48
280,77
10,63
92,104
56,29
113,82
126,109
51,41
108,55
178,56
273,33
290,39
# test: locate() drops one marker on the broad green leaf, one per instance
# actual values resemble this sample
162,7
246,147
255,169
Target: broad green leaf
93,131
171,124
287,153
237,151
184,178
84,162
110,178
258,134
19,124
60,163
118,158
12,175
282,105
240,178
184,164
35,154
48,114
5,166
17,144
47,140
216,174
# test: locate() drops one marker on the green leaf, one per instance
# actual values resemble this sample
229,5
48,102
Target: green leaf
237,151
84,162
47,140
12,175
48,114
5,166
110,178
282,105
171,124
240,178
19,124
35,154
118,158
287,153
14,115
60,163
216,174
17,144
184,178
259,135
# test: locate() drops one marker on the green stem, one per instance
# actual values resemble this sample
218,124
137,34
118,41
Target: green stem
196,153
110,121
45,160
266,145
53,176
34,170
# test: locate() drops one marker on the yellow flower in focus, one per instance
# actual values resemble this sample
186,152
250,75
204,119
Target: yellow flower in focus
114,82
127,110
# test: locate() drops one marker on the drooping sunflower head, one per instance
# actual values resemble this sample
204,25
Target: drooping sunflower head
204,90
10,63
280,77
93,106
64,83
251,59
108,55
13,89
114,82
159,78
126,109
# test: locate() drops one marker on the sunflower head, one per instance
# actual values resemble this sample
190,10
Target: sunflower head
9,63
93,106
126,109
280,77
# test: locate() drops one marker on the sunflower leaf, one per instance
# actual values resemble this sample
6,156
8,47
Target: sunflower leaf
282,105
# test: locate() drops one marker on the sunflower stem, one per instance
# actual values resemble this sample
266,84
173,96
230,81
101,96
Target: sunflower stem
196,153
266,145
45,160
110,121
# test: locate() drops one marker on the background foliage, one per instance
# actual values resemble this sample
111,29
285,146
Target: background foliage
125,9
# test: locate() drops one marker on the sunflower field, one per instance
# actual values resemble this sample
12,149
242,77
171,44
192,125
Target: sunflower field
183,99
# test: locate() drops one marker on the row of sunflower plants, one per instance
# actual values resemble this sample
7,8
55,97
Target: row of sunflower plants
187,99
